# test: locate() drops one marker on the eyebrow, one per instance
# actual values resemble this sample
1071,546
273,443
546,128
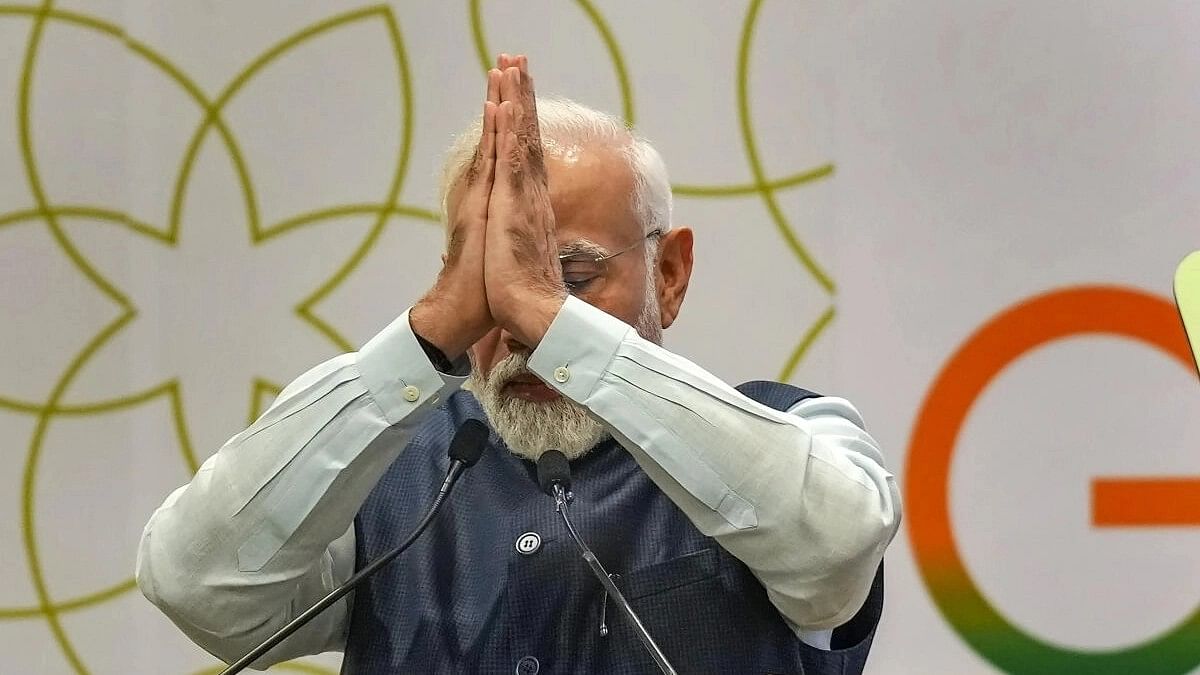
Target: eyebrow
582,246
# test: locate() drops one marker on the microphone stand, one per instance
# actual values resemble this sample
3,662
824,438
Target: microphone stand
337,594
465,449
561,499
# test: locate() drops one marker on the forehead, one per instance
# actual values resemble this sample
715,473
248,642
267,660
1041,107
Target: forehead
591,191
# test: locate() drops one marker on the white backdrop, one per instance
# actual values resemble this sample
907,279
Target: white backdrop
198,200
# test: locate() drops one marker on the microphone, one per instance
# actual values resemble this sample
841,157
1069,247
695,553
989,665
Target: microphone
554,477
553,471
465,449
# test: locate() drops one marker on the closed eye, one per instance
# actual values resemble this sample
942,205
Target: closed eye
578,285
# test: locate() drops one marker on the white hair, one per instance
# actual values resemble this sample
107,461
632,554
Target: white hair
565,123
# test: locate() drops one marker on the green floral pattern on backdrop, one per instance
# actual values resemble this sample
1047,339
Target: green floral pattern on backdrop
49,214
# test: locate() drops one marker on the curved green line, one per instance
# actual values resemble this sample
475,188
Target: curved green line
43,210
29,478
480,40
42,204
214,118
119,218
614,53
82,602
260,387
743,189
350,210
93,408
179,420
212,112
112,30
810,336
484,53
756,167
304,309
80,211
29,484
174,73
65,16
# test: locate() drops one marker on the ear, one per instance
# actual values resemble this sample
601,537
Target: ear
674,272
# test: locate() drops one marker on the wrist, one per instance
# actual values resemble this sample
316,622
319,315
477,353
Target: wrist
534,318
439,323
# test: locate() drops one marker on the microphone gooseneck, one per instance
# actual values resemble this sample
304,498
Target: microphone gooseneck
465,450
554,477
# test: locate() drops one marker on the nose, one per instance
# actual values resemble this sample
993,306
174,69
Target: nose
513,345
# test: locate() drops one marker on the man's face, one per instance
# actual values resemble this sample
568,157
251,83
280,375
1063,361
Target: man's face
590,189
590,192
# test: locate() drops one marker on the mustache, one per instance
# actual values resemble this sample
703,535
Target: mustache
510,368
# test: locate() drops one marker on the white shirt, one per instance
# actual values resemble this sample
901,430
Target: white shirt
265,528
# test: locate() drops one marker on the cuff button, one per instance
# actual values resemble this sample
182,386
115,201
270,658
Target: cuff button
561,374
411,394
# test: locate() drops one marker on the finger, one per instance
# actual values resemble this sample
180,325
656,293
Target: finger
510,84
508,156
527,129
510,91
487,140
476,168
481,173
489,121
487,143
493,86
525,125
525,92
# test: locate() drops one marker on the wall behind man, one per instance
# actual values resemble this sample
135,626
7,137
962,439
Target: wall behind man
962,216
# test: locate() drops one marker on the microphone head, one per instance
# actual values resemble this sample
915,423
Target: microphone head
553,469
468,442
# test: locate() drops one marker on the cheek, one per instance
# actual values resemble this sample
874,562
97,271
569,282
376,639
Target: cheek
625,302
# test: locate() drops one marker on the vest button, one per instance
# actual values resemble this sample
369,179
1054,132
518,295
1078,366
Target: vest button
528,665
528,544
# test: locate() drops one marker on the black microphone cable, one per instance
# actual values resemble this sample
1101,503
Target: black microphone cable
465,449
554,477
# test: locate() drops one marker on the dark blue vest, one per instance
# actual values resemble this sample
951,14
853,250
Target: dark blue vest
464,600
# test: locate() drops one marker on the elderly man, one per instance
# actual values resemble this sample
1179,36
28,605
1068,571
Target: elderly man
746,526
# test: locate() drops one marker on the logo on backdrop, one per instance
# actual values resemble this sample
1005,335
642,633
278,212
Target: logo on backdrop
1090,310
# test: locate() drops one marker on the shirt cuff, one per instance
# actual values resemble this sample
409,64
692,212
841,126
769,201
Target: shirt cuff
398,373
577,349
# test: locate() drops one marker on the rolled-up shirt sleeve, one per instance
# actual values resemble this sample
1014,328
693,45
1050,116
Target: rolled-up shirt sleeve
801,497
265,527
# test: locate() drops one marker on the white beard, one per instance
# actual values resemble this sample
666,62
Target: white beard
530,428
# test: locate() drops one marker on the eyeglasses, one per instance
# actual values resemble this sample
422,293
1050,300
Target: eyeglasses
582,271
